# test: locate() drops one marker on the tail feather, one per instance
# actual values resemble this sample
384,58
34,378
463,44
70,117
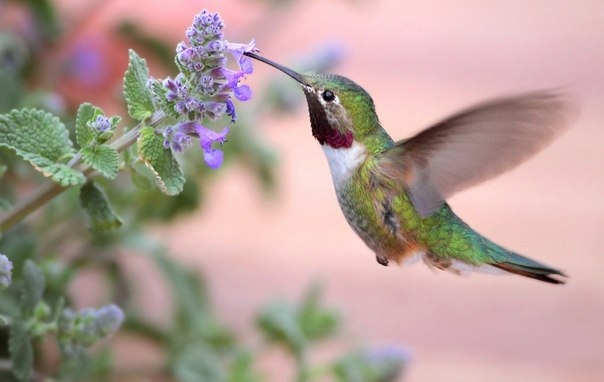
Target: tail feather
520,265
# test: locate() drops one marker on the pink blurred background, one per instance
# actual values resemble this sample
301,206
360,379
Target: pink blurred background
420,61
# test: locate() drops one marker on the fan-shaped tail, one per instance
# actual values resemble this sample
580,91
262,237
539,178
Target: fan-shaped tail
514,263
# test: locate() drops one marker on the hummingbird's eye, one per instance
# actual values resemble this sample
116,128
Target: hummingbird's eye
328,96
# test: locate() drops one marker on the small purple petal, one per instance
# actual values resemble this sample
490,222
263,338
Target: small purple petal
231,76
246,65
213,157
230,110
243,93
214,110
208,136
237,49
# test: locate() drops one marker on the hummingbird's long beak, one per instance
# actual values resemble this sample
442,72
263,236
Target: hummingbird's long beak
295,75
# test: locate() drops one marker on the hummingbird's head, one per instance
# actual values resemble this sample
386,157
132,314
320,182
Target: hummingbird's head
340,110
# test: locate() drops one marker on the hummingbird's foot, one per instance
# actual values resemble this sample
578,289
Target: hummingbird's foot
383,260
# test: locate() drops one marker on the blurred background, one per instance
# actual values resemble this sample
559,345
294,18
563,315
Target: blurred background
420,61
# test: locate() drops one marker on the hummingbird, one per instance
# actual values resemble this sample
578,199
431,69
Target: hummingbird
393,193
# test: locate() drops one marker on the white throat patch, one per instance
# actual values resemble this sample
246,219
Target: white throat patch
344,161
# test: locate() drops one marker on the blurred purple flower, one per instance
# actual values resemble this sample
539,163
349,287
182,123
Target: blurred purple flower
6,268
87,64
109,318
388,361
88,326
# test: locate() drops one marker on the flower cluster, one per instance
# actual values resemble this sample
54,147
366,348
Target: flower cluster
102,124
205,86
85,328
6,268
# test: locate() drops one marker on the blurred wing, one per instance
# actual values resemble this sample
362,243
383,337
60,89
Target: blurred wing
474,145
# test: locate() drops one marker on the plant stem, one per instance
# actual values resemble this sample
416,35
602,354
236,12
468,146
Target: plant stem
301,367
50,190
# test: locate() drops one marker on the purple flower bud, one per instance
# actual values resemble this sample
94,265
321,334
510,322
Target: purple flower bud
186,55
176,139
6,268
102,124
109,318
215,110
176,90
88,326
215,46
206,85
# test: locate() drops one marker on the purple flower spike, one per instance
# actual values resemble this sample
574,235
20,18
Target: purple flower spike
205,88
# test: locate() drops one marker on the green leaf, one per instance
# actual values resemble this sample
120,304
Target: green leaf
377,365
242,369
46,18
138,96
86,134
12,88
87,113
279,323
95,203
197,362
21,351
32,288
42,140
316,321
168,173
102,158
188,292
5,205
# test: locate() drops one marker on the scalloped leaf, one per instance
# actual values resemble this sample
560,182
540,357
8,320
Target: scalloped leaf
87,113
197,362
101,214
41,139
138,96
86,134
102,158
168,173
21,351
33,286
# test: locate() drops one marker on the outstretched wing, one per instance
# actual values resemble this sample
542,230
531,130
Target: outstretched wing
474,145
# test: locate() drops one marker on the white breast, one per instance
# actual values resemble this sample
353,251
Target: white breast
344,161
